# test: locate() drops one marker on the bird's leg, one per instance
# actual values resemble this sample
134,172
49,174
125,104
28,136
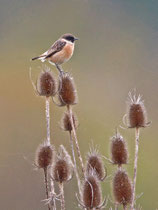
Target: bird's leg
59,69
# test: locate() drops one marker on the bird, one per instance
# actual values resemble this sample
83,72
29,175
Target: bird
60,52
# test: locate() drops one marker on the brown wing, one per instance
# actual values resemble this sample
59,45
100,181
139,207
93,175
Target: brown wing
56,47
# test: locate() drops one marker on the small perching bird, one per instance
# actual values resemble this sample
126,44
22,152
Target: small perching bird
60,52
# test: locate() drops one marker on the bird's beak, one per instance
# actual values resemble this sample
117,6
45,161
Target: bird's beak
76,38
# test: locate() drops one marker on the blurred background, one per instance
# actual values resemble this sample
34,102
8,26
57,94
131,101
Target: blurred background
117,52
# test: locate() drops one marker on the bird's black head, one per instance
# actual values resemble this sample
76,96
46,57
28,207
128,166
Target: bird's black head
69,37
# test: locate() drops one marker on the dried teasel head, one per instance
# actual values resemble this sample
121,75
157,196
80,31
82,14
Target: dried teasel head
46,83
67,91
44,156
122,188
62,168
66,122
94,162
136,112
91,192
119,152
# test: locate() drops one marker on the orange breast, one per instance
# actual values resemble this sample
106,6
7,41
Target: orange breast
64,55
68,50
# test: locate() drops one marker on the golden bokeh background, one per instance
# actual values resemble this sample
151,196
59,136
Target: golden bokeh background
117,52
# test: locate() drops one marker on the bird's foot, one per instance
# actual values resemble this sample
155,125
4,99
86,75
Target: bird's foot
61,72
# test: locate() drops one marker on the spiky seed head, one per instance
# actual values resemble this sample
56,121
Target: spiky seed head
61,171
122,188
91,192
46,83
136,112
44,156
67,90
66,122
94,162
63,167
119,150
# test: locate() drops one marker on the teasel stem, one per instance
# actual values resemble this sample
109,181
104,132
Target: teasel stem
61,186
75,164
124,207
46,184
116,206
76,140
137,133
48,141
119,166
48,119
52,190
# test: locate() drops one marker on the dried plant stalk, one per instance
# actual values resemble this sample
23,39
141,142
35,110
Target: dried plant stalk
48,119
75,164
46,184
66,126
116,206
137,118
52,190
137,132
124,207
75,138
62,199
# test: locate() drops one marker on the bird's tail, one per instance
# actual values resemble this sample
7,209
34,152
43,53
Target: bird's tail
35,58
41,57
